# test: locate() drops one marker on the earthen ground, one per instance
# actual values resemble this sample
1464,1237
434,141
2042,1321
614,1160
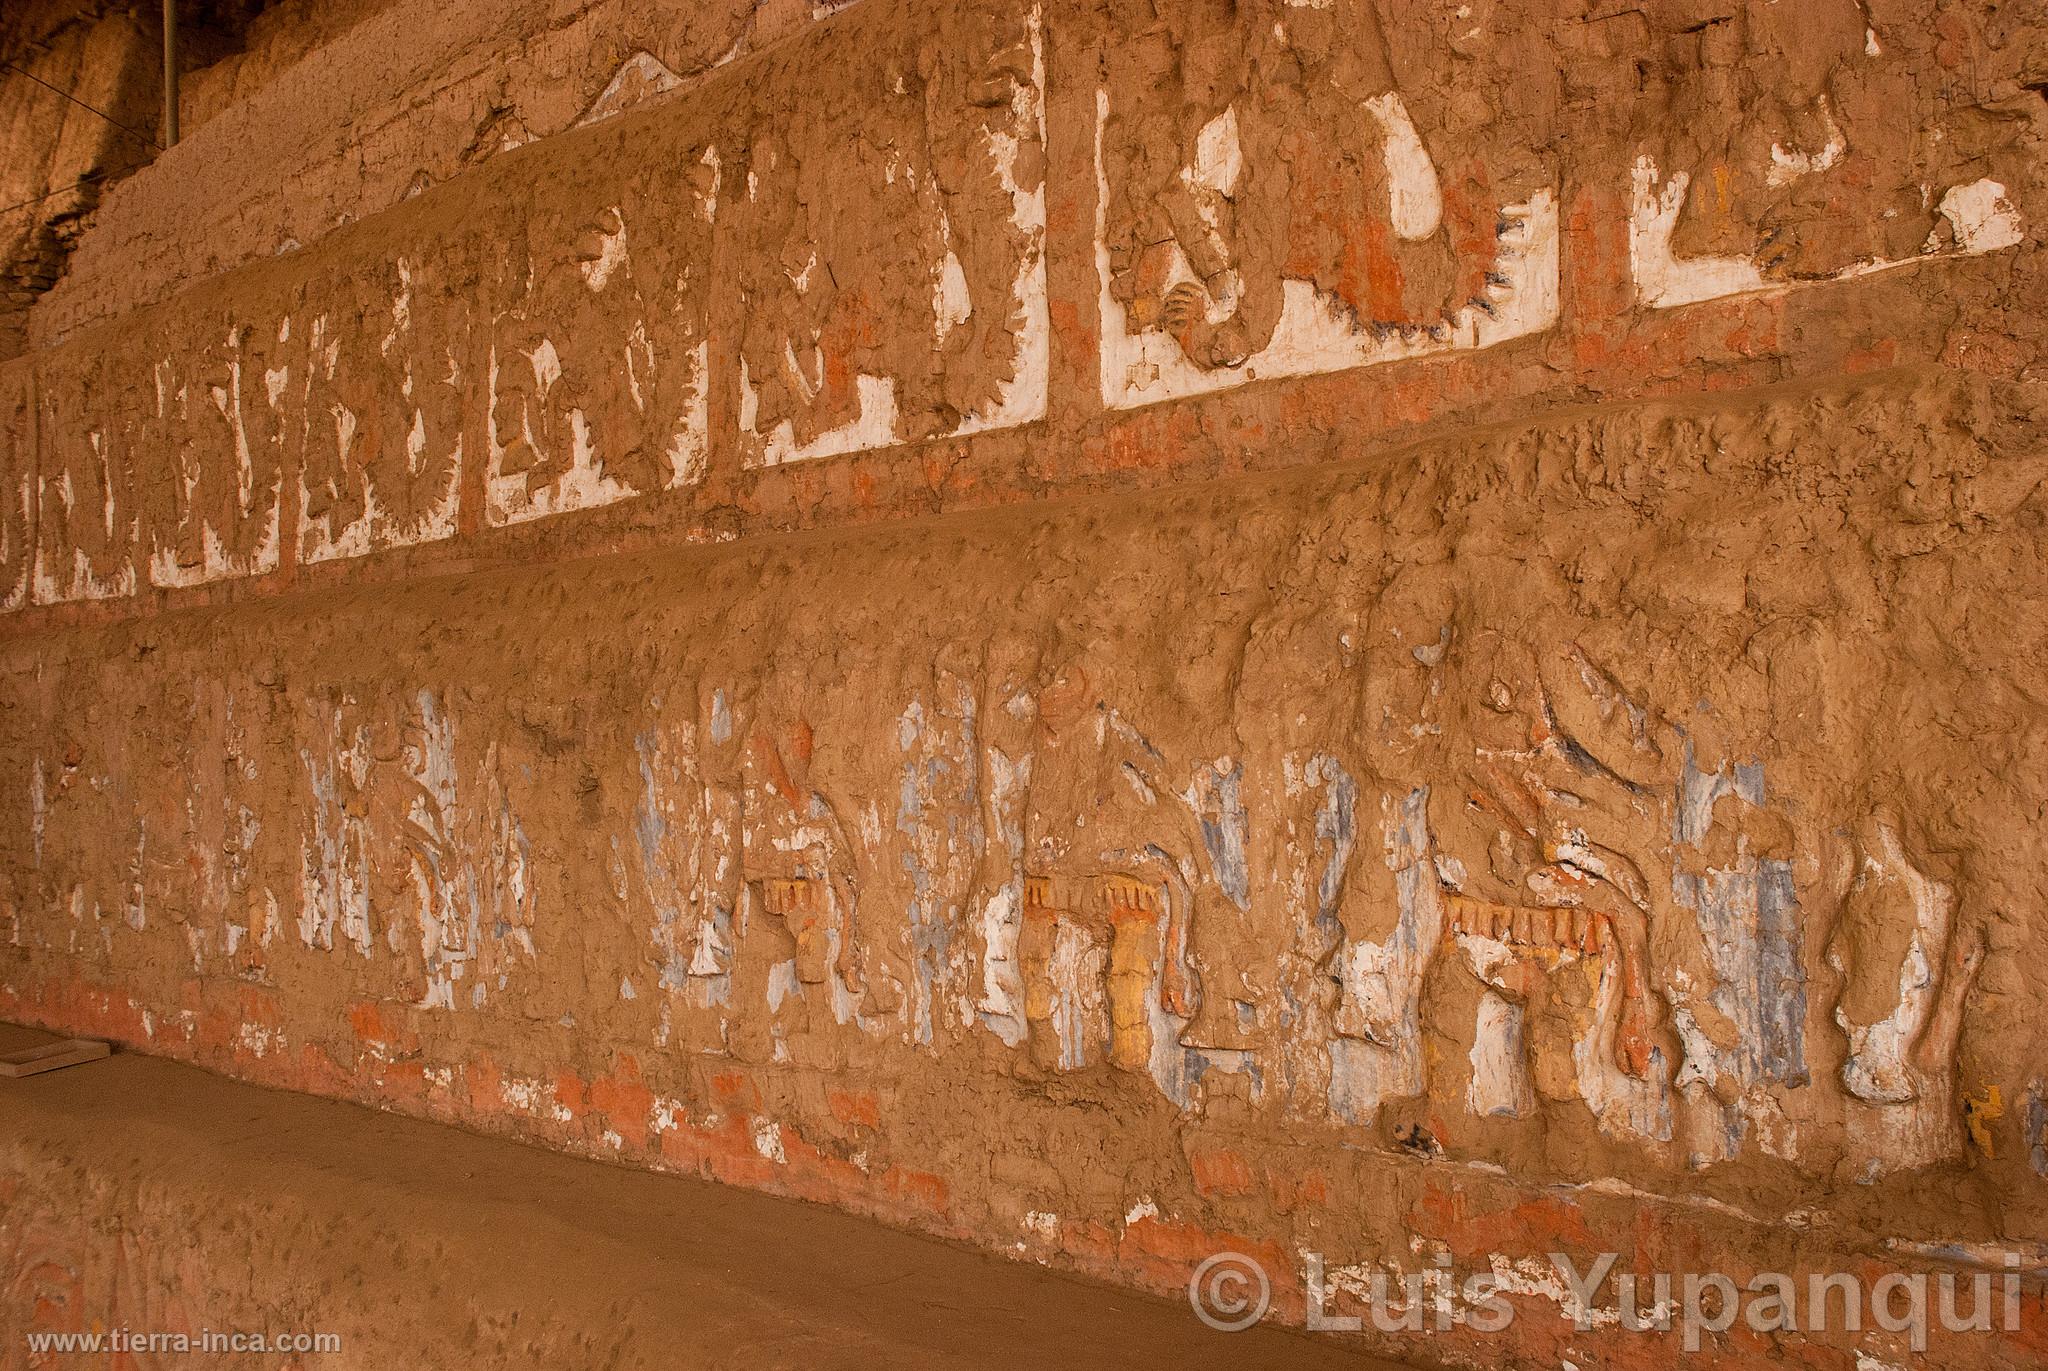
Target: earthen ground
427,1237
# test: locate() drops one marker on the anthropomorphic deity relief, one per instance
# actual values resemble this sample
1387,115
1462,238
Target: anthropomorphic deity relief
1804,143
781,912
247,823
220,860
219,417
337,851
1271,207
770,890
924,848
1291,821
1908,961
1376,1053
599,359
17,488
1627,919
1097,952
91,844
1552,885
684,830
1562,862
87,519
468,863
414,845
895,291
383,357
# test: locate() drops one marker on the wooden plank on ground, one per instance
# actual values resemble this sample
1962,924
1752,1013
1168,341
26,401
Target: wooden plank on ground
52,1056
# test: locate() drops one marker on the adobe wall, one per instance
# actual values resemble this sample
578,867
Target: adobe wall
57,156
334,112
1118,636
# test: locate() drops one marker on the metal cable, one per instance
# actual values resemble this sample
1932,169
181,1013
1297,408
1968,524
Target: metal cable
88,179
24,71
88,12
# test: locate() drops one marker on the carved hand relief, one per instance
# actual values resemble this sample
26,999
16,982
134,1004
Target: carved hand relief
17,488
216,410
797,863
895,291
599,359
381,432
1269,204
668,872
86,515
750,880
768,882
1799,146
1090,955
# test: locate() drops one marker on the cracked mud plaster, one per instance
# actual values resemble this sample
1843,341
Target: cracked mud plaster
1592,838
1812,142
1281,188
890,227
1620,804
1299,186
17,487
333,116
598,372
1286,188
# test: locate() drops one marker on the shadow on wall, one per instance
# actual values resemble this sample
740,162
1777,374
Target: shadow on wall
81,106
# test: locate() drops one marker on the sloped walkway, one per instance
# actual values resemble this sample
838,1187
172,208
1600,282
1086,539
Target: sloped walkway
141,1196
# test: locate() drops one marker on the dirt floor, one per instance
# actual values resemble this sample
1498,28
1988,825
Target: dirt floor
410,1238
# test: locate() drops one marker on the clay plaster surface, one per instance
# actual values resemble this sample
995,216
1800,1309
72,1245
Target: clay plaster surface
546,1258
723,663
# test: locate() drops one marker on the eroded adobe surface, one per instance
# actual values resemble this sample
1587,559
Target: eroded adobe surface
1574,788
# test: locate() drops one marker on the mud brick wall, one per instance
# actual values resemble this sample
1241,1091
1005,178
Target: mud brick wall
337,109
1406,632
58,157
